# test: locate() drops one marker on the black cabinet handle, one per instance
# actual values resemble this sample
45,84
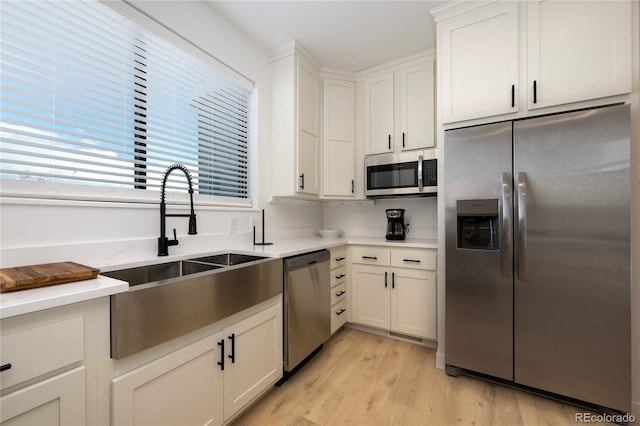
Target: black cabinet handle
340,276
393,280
338,259
535,91
341,311
340,293
513,95
370,257
389,142
221,362
5,367
412,260
353,186
302,181
403,139
386,284
232,356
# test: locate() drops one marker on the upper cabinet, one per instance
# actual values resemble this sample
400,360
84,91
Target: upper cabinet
571,52
479,51
339,138
295,122
577,51
399,107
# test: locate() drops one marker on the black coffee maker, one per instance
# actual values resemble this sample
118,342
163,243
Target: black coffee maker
396,229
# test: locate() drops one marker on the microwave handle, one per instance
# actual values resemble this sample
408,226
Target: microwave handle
420,182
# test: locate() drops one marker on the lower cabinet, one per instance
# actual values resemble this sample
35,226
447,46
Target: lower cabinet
207,382
60,400
395,290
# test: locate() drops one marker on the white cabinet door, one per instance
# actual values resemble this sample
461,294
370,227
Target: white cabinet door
378,107
480,62
371,296
339,138
416,97
308,128
253,358
59,400
578,51
413,302
183,387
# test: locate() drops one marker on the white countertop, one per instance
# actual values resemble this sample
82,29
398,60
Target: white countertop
26,301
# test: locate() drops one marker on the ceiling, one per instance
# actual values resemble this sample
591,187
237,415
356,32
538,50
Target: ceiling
349,35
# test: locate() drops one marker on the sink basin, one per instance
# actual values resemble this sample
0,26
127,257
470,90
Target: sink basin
228,259
169,299
158,272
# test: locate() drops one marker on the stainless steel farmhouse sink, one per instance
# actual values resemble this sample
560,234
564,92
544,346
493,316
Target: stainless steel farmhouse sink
169,299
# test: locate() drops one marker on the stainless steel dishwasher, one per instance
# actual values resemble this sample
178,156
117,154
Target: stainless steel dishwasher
307,319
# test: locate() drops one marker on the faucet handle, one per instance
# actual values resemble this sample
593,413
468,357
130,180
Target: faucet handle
173,242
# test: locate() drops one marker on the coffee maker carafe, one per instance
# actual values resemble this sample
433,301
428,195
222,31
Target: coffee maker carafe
396,229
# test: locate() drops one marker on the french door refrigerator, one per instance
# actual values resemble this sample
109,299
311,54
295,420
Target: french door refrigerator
537,217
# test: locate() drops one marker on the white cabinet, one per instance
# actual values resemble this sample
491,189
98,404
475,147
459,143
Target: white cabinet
378,104
399,108
254,358
183,387
338,286
479,62
571,51
416,103
49,365
295,122
395,289
577,51
339,138
207,382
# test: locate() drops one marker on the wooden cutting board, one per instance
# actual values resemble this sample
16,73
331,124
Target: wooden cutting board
32,276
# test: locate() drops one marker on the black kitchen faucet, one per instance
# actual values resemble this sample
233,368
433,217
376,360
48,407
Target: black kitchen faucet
163,241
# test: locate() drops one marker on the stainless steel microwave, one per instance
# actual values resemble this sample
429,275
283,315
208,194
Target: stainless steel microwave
413,173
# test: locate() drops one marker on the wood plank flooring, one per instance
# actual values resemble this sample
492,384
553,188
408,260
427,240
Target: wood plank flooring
360,378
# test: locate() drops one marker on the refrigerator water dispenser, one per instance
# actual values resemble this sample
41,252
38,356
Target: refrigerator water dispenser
478,224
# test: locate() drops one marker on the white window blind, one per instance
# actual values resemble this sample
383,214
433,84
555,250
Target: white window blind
89,97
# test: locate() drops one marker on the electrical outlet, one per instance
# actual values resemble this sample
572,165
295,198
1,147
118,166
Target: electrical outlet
233,225
253,221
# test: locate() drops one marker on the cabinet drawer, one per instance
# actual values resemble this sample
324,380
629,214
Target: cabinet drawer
370,255
338,257
40,350
338,315
338,293
338,276
414,258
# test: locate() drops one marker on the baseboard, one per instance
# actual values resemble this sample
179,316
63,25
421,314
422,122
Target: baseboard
440,362
418,341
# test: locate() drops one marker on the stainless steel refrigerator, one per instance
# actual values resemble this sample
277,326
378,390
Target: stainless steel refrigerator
537,223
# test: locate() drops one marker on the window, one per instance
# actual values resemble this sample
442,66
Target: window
90,97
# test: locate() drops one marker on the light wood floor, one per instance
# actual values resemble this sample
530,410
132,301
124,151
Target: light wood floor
360,378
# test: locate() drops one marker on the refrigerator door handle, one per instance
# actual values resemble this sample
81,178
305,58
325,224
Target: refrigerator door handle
522,225
506,225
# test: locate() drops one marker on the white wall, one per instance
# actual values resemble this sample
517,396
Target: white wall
369,220
100,234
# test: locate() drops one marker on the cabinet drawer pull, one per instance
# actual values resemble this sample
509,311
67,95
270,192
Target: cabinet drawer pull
341,311
5,367
353,186
535,91
340,276
221,362
386,283
370,257
393,280
339,259
340,293
302,181
403,139
412,260
232,356
389,142
513,96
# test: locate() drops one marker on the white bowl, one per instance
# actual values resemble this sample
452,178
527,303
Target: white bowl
330,232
